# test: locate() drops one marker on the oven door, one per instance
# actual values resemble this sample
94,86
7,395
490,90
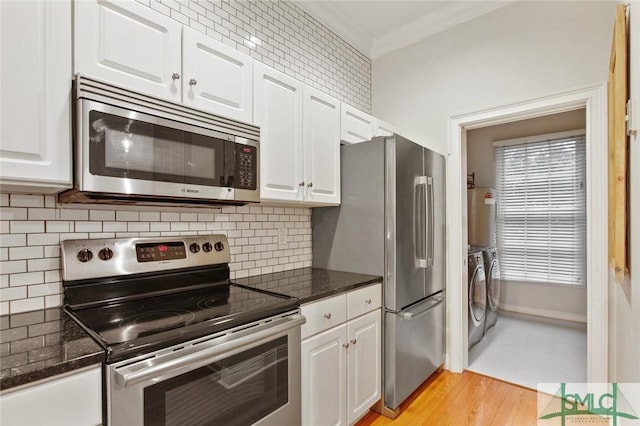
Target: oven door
249,375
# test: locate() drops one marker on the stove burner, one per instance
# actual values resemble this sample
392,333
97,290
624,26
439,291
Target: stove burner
121,308
158,320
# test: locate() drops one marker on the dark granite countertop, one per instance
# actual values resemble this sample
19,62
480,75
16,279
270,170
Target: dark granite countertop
39,344
308,284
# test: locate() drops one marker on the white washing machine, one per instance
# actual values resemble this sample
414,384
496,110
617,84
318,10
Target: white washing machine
492,270
477,297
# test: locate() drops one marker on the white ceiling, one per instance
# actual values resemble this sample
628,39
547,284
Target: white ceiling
376,27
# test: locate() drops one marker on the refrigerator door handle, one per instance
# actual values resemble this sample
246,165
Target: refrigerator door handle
419,227
430,210
410,314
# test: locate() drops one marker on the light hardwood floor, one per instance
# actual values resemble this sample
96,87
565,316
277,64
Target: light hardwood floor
463,399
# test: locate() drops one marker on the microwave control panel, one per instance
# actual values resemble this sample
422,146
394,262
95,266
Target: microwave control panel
246,167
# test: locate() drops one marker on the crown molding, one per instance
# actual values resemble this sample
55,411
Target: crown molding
450,15
336,21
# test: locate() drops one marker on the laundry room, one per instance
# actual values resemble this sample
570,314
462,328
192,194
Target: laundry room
526,216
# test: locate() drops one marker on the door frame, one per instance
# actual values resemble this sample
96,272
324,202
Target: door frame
594,99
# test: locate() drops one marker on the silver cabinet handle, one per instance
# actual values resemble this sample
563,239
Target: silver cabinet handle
345,345
175,76
310,184
192,82
368,301
301,183
354,341
327,315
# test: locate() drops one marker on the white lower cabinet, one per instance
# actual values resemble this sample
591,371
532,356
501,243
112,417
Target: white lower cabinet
324,373
72,400
341,364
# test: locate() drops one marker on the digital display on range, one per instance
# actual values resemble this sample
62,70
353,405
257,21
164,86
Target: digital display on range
154,252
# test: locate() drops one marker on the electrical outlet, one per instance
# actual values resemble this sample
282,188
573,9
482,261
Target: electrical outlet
283,236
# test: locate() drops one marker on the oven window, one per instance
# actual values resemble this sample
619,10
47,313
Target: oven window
127,148
239,390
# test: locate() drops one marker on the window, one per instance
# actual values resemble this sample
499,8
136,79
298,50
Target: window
541,215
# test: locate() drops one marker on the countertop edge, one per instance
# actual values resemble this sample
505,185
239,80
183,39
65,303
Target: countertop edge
33,378
337,291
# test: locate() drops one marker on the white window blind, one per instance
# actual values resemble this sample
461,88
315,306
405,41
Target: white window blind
541,215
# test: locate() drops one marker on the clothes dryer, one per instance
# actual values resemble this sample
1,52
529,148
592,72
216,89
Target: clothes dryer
477,297
492,271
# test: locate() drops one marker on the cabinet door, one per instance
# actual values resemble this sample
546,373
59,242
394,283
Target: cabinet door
384,129
72,400
324,359
321,147
216,78
130,45
35,94
278,112
364,364
355,126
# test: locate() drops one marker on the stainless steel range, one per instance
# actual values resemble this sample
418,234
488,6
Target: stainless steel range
184,345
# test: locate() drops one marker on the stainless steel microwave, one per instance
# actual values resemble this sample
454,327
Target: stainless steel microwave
134,148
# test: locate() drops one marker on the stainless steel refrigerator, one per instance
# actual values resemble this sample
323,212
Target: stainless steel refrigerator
391,223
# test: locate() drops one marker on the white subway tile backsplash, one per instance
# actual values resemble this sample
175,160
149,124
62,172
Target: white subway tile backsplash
127,216
13,213
16,280
20,200
24,305
30,261
281,35
46,264
59,226
4,200
17,253
23,226
104,215
73,214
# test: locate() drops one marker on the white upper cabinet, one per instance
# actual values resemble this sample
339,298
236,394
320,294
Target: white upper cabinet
278,112
384,129
216,77
321,148
35,96
355,125
130,45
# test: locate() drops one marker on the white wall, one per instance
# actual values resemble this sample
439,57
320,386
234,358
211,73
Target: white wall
522,51
624,301
562,302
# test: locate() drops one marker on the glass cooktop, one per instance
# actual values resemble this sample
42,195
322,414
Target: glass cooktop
133,327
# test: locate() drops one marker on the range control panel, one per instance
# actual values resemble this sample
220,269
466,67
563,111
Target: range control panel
85,259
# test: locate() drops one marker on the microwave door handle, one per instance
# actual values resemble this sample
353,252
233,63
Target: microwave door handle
419,237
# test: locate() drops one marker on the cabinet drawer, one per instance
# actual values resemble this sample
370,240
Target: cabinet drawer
324,314
364,300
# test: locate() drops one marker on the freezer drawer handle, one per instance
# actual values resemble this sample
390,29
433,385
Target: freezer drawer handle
409,315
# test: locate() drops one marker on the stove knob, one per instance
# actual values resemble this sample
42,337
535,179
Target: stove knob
85,255
194,248
105,254
207,247
219,246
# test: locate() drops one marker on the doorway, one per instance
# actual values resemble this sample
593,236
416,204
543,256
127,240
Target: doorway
592,100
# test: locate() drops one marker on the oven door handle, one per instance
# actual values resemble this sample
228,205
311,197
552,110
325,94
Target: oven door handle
204,353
